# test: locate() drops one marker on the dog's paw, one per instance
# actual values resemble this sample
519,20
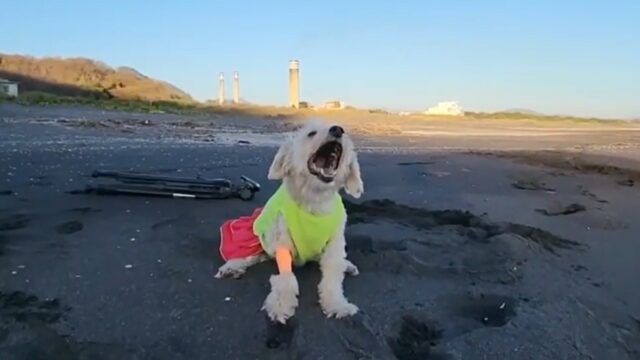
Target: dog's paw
338,309
230,271
352,269
282,301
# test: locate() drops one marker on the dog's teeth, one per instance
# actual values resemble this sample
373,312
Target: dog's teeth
328,172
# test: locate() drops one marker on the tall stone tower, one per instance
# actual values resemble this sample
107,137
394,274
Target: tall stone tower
294,83
236,88
221,98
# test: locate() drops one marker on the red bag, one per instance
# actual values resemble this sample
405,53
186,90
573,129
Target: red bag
237,240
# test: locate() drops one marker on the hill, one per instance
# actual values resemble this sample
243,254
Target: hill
85,77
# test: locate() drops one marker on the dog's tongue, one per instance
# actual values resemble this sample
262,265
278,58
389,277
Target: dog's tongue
324,162
319,161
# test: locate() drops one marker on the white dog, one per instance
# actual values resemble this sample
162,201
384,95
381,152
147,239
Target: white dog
314,165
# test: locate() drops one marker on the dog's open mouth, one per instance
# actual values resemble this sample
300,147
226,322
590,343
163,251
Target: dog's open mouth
325,161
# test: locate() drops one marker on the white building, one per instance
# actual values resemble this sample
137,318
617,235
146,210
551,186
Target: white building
8,88
334,104
451,108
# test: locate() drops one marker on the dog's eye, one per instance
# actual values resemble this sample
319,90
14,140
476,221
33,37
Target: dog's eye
312,134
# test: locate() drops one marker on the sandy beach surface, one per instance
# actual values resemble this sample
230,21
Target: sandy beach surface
475,240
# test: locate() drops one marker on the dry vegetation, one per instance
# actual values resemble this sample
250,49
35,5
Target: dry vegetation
86,78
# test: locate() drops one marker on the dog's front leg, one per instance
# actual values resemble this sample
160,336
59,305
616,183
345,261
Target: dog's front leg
282,301
333,264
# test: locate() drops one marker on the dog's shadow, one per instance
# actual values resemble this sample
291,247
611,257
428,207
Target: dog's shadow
279,335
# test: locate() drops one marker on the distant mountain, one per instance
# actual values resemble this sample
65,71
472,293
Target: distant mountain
85,77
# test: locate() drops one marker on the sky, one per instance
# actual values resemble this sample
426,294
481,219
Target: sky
557,57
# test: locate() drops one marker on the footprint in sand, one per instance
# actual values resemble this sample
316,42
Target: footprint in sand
416,340
69,227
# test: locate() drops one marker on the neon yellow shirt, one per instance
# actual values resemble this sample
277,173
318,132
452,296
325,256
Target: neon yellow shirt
310,233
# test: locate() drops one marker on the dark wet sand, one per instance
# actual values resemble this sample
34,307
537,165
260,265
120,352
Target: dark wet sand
456,261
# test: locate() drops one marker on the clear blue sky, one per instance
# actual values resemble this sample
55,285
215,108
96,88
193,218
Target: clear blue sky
564,56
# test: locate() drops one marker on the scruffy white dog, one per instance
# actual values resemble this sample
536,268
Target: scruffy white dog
314,165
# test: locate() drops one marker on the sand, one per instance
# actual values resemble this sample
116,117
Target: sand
469,246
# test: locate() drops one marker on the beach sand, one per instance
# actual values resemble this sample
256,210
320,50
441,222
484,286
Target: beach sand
491,240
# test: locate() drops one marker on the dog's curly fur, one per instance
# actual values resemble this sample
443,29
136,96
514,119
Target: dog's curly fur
290,165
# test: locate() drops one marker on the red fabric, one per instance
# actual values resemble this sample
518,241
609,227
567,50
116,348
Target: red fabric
237,239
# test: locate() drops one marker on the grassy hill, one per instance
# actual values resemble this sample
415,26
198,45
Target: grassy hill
86,78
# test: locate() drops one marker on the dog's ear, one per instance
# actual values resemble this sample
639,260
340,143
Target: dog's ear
281,162
354,185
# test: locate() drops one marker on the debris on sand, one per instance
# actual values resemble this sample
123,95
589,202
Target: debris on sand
626,182
589,194
562,210
532,184
414,163
435,173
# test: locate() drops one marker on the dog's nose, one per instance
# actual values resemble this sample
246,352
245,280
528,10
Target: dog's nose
336,131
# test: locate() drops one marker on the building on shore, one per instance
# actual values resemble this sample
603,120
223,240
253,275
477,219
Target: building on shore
294,84
8,88
450,108
221,98
236,88
334,105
